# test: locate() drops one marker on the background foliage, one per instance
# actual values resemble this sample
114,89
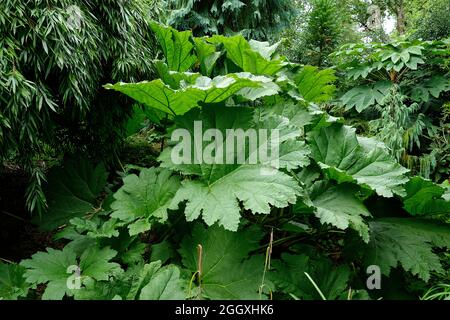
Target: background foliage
54,57
261,20
401,88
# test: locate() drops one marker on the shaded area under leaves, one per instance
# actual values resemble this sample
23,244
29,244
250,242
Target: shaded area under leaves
19,238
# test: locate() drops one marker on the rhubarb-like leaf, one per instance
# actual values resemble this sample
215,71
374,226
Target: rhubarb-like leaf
144,199
156,94
425,198
339,207
12,282
227,273
230,177
176,46
337,150
406,242
54,269
72,192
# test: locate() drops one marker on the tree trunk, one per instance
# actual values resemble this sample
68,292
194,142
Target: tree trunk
401,19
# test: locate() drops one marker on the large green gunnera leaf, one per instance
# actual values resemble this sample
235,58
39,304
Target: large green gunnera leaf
315,85
12,282
54,268
207,55
227,271
246,57
339,207
164,284
344,158
156,94
144,199
288,275
229,177
176,46
406,242
72,192
144,282
305,118
423,197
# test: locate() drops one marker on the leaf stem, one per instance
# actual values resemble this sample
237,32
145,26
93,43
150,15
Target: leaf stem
315,286
6,260
14,216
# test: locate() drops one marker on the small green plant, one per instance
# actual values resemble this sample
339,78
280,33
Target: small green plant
438,292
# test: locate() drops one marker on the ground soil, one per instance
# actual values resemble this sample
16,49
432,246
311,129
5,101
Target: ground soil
19,238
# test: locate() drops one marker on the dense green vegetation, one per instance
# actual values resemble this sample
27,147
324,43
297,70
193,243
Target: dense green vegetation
402,88
259,20
351,183
55,55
